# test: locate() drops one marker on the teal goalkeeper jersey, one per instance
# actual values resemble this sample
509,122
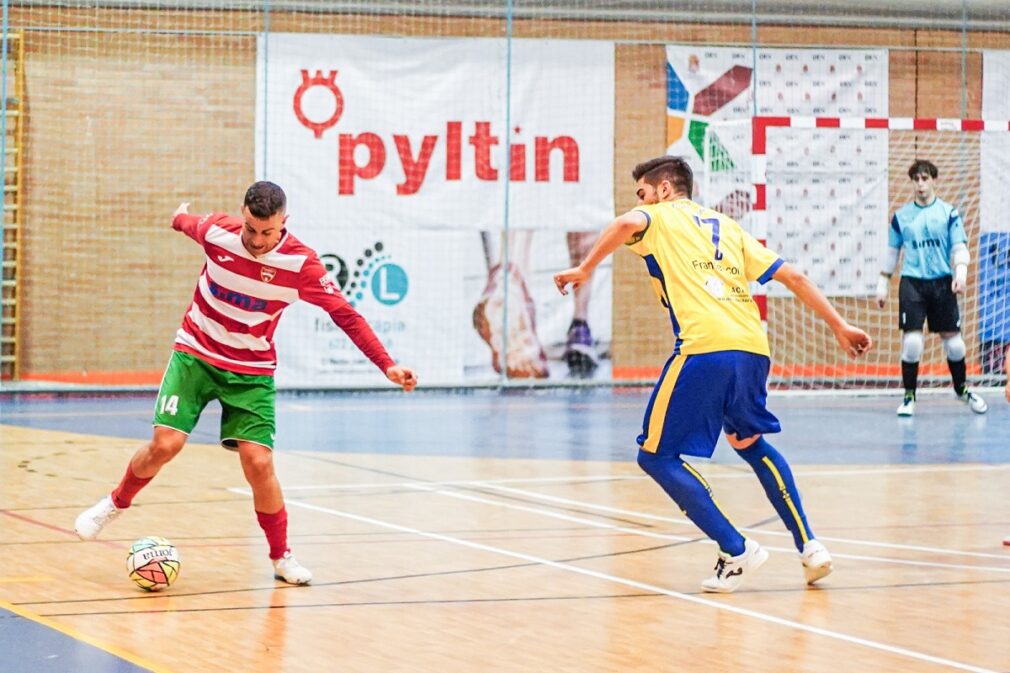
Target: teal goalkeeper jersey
927,233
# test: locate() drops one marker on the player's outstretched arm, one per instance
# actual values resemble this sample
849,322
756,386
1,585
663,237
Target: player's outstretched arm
183,209
617,233
852,340
402,376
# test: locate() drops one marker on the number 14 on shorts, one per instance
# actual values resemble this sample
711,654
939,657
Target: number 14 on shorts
168,404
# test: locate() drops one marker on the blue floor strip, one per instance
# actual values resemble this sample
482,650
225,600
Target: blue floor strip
33,644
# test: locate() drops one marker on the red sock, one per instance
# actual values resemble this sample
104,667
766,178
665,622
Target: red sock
276,528
128,488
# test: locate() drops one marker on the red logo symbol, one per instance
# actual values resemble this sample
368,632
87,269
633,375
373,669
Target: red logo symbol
319,80
267,274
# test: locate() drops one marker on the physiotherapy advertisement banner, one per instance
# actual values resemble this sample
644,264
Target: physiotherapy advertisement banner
390,279
403,142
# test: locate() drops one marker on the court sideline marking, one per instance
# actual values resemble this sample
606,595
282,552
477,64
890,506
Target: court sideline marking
494,484
685,522
891,649
680,538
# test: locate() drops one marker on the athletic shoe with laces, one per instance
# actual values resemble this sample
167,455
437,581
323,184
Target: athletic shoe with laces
288,568
974,402
907,407
91,521
731,570
580,354
816,561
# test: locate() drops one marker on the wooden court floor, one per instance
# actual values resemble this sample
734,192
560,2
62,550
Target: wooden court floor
502,557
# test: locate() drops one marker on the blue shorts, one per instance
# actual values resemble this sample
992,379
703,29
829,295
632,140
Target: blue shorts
699,395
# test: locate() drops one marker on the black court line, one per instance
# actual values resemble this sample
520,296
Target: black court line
517,599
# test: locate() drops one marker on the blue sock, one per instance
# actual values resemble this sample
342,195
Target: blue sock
777,480
694,497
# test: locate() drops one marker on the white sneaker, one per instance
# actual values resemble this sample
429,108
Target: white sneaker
288,568
730,570
907,407
816,561
91,521
974,402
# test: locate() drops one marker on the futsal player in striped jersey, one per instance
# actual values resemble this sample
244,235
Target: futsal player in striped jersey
701,262
931,233
224,350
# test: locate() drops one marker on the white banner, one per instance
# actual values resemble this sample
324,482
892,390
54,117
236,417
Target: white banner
813,220
412,132
390,279
995,199
402,142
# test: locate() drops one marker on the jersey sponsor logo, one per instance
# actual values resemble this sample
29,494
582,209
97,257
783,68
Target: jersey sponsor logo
926,243
267,273
225,258
715,287
236,298
722,267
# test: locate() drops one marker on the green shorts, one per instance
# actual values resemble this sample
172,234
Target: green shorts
247,401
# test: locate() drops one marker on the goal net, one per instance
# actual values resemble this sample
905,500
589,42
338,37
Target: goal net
821,191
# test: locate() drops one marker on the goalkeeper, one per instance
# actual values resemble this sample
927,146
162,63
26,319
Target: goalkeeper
931,232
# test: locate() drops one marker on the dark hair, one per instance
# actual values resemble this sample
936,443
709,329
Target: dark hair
674,169
921,167
264,199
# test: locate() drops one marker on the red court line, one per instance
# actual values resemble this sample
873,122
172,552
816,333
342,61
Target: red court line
58,529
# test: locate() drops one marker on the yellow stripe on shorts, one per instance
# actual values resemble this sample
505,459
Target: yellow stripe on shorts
661,404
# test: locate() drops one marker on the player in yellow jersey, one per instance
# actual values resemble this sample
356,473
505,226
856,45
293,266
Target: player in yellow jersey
701,263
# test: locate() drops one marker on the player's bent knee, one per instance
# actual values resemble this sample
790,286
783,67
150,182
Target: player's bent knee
911,346
258,467
741,444
646,461
162,450
954,347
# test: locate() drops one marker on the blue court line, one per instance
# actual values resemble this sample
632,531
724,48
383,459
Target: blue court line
31,643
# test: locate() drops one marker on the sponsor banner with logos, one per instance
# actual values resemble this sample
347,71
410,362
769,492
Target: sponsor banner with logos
412,132
402,141
390,278
834,229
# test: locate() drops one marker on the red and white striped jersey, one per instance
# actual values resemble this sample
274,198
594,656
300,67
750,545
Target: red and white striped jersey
240,297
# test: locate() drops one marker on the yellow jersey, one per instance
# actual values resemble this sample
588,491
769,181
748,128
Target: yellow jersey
701,263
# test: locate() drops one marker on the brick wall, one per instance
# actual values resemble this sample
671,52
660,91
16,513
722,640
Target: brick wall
123,126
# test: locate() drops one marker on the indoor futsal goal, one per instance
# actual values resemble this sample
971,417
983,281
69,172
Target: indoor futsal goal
821,191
